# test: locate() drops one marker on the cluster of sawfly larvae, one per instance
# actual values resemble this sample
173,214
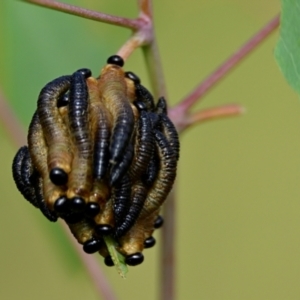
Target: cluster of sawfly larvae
102,156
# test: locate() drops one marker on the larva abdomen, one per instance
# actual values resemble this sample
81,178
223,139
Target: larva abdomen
56,135
113,89
139,194
22,175
165,177
168,127
119,170
38,153
101,129
121,199
80,178
143,146
142,94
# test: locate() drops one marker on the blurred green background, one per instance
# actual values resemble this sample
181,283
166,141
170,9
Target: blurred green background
238,229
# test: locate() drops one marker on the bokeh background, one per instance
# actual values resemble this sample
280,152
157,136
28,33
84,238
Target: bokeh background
238,223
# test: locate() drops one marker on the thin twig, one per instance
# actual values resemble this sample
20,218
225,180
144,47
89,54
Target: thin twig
16,133
155,71
145,8
209,114
130,46
168,257
228,110
227,66
133,24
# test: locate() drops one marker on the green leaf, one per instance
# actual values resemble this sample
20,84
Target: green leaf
117,257
287,51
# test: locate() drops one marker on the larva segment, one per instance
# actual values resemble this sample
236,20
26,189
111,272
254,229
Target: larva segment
142,94
168,127
21,177
101,128
133,241
121,194
114,96
143,146
171,134
131,94
165,177
38,188
56,134
84,233
133,77
34,182
138,195
80,178
39,153
106,217
161,106
150,174
119,170
100,194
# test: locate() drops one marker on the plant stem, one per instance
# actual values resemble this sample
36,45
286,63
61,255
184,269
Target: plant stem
155,71
129,47
182,122
228,110
88,14
168,257
227,66
17,135
145,8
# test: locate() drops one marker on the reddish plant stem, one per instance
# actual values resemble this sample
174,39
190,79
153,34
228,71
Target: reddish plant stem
145,8
228,65
133,24
155,71
18,137
168,257
129,47
228,110
223,111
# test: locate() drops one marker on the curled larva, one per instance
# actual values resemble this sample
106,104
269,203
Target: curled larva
165,176
168,127
161,106
121,194
101,128
30,183
150,174
34,182
22,175
80,178
143,149
84,232
55,132
39,153
119,170
133,242
114,95
142,94
138,197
